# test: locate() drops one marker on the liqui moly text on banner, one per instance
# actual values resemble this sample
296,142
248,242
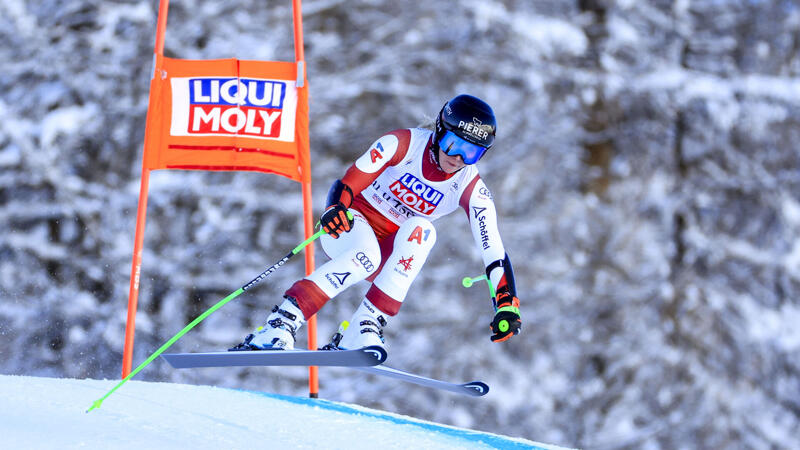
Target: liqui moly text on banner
229,106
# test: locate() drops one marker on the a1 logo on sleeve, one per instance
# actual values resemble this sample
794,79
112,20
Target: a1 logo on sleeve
378,154
249,107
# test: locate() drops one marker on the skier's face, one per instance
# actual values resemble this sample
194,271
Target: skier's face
450,164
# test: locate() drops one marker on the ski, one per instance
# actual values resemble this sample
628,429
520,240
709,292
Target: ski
473,388
367,356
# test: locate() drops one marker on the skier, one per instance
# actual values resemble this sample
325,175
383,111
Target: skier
407,179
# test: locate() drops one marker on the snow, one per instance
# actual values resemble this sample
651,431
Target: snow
548,36
65,121
46,413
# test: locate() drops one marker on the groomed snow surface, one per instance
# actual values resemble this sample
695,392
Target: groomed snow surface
50,413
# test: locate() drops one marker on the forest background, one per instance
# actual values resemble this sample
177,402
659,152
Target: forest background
646,173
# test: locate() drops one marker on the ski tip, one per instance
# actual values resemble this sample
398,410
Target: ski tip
377,352
478,387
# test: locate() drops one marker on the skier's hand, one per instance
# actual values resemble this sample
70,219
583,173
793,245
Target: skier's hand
506,322
335,220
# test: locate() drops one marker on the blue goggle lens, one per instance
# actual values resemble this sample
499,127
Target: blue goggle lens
452,145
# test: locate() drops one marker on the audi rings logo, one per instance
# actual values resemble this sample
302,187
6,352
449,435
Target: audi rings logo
364,260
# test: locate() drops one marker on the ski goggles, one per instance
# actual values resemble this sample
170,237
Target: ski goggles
452,145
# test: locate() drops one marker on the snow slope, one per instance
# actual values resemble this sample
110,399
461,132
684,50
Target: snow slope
44,413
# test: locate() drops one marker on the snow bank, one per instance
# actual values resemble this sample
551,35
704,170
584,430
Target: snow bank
41,413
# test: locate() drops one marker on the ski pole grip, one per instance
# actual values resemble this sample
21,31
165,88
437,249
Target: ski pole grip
316,235
503,326
469,281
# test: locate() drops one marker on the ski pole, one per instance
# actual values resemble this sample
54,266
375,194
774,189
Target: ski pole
468,281
96,404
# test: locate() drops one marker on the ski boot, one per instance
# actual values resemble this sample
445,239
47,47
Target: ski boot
279,331
365,328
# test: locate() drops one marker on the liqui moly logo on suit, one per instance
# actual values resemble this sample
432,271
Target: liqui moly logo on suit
219,106
415,194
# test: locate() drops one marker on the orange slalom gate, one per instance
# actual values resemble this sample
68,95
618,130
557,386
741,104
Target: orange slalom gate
230,115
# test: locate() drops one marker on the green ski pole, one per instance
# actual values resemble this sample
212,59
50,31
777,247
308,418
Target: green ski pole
96,404
468,281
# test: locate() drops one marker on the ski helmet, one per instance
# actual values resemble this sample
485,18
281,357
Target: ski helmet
465,126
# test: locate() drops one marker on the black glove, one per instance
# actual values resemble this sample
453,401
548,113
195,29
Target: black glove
336,221
506,322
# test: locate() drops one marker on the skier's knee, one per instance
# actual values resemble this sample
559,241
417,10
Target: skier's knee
418,230
369,257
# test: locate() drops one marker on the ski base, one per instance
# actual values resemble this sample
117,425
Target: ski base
473,388
367,356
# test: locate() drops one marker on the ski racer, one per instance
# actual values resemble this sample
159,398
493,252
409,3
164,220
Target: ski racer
407,179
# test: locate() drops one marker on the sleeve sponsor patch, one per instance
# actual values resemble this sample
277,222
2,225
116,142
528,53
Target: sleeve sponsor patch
379,153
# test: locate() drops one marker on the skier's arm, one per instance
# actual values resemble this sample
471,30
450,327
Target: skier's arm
388,150
479,206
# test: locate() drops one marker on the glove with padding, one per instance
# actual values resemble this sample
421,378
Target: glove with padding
335,220
506,322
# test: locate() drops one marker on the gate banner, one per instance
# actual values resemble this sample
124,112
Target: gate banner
225,114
